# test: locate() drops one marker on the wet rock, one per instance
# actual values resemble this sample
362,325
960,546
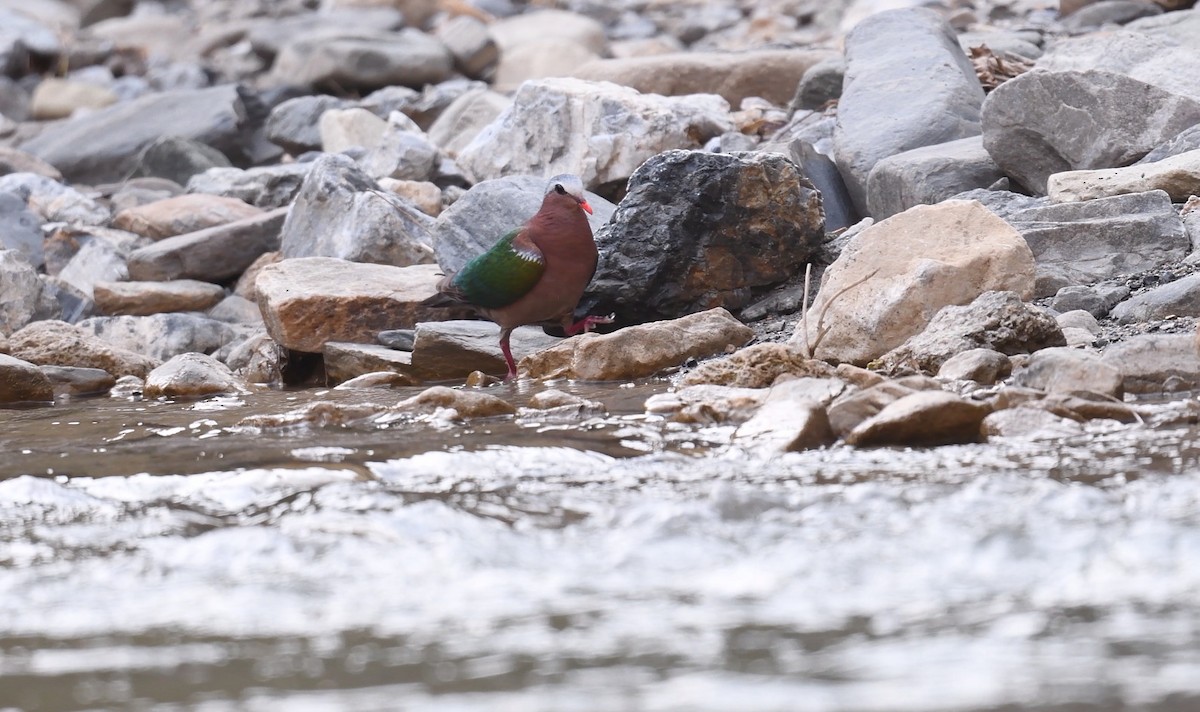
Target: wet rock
345,361
639,351
1029,423
467,404
309,301
162,336
16,161
318,414
994,320
1159,60
1178,176
553,398
856,406
378,379
1112,121
874,297
453,349
22,297
890,57
183,213
264,186
666,253
492,209
142,298
213,254
103,146
983,366
1155,363
927,175
54,201
57,343
21,230
467,38
706,404
178,159
771,74
21,382
192,375
256,359
339,214
921,419
295,123
399,339
786,425
408,58
56,98
1094,240
1066,370
756,366
465,118
73,381
821,84
598,131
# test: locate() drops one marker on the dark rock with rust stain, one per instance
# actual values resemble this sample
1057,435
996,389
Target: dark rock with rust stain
701,230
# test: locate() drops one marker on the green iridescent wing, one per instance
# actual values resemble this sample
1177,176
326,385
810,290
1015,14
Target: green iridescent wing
503,274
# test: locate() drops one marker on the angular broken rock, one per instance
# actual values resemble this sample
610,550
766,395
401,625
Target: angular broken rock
213,254
183,213
141,298
924,418
706,404
192,375
639,351
893,277
309,301
786,426
57,343
1178,176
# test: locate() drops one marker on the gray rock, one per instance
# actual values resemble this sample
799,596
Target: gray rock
984,366
994,320
1091,241
23,382
1091,299
1029,423
344,361
474,51
104,146
666,253
268,36
409,58
192,375
75,381
403,152
255,359
786,425
264,186
1178,298
928,175
1079,319
492,209
825,177
891,57
294,124
161,336
22,297
20,229
54,201
1109,12
236,310
453,349
1000,42
465,118
1162,61
1187,140
398,339
1156,363
821,84
178,159
22,36
338,213
14,161
1069,370
1041,123
102,257
924,418
213,254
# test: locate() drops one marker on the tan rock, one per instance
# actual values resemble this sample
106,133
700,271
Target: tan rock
376,379
57,343
1178,176
423,194
894,276
308,301
182,214
984,366
21,381
73,381
856,406
15,161
345,361
924,418
142,298
55,98
246,286
1029,423
786,426
258,359
192,375
1066,370
771,74
640,351
470,43
533,27
468,404
554,398
347,128
547,58
756,366
707,404
465,117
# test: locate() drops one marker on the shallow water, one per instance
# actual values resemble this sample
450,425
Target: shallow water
158,556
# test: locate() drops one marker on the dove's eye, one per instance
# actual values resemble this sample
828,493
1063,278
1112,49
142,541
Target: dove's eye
559,189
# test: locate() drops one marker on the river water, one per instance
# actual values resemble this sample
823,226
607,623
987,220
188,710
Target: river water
164,556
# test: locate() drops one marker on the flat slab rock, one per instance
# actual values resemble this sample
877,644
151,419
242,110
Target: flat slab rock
142,298
182,213
639,351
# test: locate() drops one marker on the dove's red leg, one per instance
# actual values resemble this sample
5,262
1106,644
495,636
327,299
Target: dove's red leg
586,323
508,357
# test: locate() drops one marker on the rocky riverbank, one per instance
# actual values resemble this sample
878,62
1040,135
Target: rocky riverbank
996,203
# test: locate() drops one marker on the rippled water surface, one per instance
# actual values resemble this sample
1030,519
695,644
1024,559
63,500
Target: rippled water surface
159,556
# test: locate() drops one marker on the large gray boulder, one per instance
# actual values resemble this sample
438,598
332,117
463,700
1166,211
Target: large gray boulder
339,213
104,146
904,65
928,175
161,336
701,230
1042,123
